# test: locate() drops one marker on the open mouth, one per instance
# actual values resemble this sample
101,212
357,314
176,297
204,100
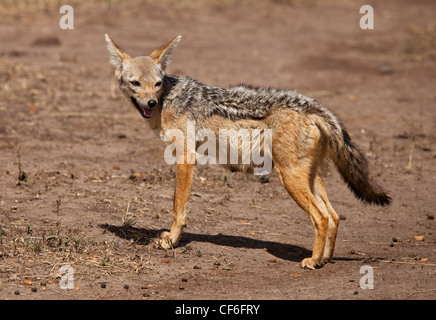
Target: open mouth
145,112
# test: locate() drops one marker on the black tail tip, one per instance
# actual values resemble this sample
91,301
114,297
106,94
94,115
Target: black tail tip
372,194
382,200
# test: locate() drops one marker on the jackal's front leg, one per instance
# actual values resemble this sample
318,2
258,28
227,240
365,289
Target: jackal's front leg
184,174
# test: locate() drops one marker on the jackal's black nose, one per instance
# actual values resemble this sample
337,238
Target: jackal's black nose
152,103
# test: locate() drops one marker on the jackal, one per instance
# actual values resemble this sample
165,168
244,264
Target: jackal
304,134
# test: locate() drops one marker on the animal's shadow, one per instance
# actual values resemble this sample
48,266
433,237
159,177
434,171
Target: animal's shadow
283,251
280,250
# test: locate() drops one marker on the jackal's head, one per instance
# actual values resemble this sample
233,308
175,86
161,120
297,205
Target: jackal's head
141,78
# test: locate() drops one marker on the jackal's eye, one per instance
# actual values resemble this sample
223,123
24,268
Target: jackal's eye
158,84
135,83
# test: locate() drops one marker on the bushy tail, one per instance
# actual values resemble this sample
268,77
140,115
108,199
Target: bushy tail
350,161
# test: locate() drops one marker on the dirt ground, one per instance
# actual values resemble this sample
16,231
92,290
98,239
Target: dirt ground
83,183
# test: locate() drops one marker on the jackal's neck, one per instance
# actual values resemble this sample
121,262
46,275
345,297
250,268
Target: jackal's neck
169,82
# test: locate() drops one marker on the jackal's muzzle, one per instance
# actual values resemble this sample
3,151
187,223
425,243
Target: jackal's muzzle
144,111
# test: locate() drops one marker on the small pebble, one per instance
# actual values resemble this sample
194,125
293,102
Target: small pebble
17,292
103,285
34,289
126,286
184,280
264,179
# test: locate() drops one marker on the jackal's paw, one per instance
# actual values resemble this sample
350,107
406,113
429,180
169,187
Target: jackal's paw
165,241
310,263
326,260
169,240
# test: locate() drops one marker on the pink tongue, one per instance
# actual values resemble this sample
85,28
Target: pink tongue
148,112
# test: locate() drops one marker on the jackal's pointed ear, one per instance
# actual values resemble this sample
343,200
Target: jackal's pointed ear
116,54
162,54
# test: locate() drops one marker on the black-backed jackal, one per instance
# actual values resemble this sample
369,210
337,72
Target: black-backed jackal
304,134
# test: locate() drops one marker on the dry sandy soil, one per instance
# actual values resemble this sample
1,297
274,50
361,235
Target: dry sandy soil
84,183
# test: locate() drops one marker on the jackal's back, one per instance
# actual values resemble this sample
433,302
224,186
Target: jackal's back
237,102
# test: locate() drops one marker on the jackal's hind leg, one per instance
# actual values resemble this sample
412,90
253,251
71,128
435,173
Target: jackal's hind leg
333,222
297,183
